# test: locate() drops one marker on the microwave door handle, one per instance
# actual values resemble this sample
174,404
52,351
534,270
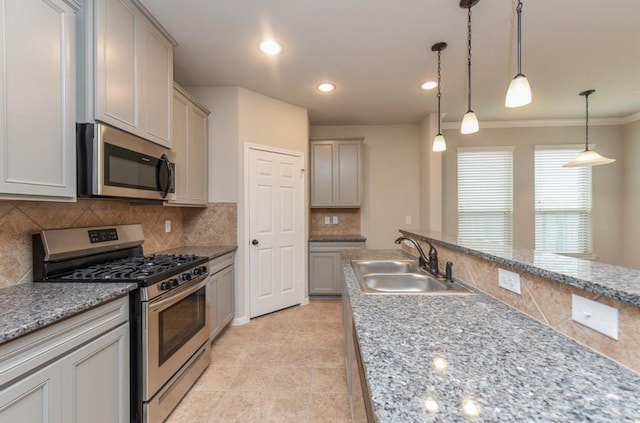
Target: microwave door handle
165,188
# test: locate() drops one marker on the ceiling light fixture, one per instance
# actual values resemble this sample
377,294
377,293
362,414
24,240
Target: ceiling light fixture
588,157
429,85
326,87
470,120
439,143
519,92
270,47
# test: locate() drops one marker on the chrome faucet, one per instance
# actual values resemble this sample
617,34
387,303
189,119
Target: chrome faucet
423,260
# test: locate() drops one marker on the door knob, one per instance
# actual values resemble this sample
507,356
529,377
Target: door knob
255,242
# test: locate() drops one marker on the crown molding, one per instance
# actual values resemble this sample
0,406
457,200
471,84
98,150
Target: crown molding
547,123
631,118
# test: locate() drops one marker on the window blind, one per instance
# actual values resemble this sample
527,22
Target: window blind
485,194
562,201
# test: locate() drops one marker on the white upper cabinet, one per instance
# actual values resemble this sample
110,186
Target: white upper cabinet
131,85
336,173
37,99
190,128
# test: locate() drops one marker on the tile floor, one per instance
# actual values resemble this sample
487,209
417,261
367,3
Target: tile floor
287,366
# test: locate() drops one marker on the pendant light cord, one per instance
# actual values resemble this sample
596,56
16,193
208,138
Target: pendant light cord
439,92
469,57
519,11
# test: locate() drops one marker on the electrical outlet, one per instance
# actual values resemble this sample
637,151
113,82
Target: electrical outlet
327,220
509,280
594,315
335,220
407,220
167,225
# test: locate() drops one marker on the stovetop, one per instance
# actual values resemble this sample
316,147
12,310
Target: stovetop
142,269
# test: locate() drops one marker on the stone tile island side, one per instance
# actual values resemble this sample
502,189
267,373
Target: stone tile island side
498,361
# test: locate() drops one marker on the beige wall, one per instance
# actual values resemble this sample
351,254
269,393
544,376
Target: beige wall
391,178
631,190
607,180
240,117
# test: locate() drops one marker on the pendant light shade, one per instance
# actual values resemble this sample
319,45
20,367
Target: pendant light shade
519,92
439,143
470,121
588,157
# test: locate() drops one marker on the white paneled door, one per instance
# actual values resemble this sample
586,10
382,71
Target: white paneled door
276,223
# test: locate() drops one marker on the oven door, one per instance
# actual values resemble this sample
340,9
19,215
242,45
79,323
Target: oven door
176,326
129,166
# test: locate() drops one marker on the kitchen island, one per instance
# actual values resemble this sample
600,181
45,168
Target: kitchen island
431,358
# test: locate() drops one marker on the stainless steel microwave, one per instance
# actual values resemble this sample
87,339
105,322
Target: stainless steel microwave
114,163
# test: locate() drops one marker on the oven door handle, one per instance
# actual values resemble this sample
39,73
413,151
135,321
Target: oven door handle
179,295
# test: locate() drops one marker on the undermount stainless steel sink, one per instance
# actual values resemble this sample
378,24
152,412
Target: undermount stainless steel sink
387,266
401,277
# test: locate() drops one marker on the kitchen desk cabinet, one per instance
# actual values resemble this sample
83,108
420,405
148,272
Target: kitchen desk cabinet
190,128
38,100
220,293
336,173
73,371
325,273
131,86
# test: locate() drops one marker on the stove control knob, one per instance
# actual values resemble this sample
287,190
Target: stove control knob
165,286
197,271
174,283
185,277
203,270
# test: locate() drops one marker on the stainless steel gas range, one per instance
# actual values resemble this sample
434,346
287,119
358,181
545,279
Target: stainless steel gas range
169,313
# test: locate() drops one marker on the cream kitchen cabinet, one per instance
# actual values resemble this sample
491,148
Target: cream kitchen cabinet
74,371
131,85
220,293
38,99
190,128
325,272
336,172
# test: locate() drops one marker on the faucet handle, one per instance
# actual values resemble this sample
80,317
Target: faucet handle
448,272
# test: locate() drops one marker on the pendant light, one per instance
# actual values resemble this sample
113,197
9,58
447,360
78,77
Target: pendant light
519,92
469,121
439,143
588,157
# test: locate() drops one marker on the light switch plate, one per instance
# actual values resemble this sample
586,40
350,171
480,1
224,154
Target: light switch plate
335,220
594,315
327,220
509,280
167,225
408,220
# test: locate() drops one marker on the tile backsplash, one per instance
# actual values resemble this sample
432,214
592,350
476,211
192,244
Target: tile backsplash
213,225
348,222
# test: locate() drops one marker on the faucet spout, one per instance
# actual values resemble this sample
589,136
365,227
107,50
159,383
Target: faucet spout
431,261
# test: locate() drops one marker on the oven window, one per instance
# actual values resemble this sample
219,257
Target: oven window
180,322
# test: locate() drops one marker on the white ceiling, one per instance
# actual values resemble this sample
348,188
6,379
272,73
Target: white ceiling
378,52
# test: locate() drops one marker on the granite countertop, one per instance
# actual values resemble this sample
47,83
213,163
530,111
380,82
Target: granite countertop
27,307
205,251
619,283
507,364
337,238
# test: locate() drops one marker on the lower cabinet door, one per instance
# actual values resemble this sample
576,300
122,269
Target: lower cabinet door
95,380
212,293
225,296
34,399
324,273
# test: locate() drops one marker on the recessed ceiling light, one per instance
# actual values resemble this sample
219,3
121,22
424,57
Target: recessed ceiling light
270,47
429,85
326,87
